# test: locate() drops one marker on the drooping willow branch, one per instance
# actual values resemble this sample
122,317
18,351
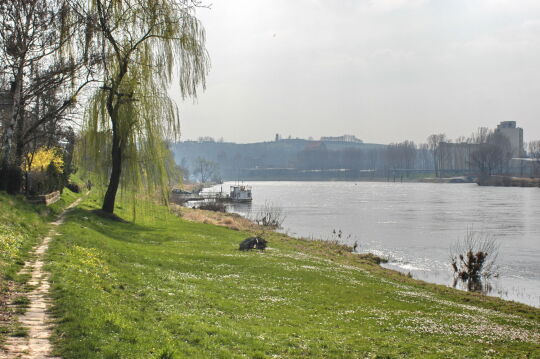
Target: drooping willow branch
143,44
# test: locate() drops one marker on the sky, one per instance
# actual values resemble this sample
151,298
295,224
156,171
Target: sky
383,70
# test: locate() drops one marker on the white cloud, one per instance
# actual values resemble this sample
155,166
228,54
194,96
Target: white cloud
509,5
392,5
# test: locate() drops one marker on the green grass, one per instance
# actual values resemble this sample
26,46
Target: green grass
19,331
170,288
21,303
65,200
22,225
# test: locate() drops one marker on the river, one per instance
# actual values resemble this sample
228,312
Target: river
416,224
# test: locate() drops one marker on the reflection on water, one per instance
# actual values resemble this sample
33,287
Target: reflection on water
244,208
415,224
473,285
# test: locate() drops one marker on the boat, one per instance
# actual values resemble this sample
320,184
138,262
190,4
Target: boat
240,193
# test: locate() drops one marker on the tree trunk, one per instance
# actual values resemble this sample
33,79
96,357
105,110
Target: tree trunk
114,181
19,140
9,135
436,162
10,172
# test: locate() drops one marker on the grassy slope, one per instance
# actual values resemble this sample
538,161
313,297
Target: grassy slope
173,286
22,225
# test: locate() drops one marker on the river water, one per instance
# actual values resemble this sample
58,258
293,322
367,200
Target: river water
416,224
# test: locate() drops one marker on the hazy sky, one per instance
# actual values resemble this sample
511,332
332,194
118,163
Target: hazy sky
383,70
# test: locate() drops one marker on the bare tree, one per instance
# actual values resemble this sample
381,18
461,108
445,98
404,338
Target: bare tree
481,135
492,157
206,169
401,155
534,153
534,149
409,150
269,215
43,73
434,142
425,160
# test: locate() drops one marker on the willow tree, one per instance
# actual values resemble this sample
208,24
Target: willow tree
145,44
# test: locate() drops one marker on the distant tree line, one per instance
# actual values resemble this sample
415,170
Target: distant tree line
485,152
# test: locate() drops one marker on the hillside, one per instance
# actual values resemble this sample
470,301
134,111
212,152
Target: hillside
287,159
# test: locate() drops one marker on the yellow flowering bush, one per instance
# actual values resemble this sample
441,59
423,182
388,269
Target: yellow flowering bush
43,157
45,169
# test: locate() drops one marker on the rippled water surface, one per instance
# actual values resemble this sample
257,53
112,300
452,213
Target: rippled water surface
415,224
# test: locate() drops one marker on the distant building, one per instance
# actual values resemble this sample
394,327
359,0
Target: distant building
344,138
514,135
525,167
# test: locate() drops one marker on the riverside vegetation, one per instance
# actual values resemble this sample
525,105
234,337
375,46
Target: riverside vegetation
169,287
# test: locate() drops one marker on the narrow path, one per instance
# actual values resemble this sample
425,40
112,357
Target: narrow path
37,344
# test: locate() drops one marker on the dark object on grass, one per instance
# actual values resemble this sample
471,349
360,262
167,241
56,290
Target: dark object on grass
253,243
74,187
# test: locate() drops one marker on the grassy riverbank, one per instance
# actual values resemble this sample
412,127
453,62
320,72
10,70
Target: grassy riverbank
506,181
169,287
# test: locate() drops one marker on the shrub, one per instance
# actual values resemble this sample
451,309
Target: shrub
42,158
36,183
474,257
370,257
42,182
213,206
166,354
55,178
74,187
269,215
11,179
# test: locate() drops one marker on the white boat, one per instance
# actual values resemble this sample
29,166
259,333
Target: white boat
240,193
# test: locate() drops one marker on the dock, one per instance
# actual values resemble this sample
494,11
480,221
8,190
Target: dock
201,196
238,193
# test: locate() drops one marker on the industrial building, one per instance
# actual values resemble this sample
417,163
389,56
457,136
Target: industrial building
514,135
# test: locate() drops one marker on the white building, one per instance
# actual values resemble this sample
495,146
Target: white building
344,138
